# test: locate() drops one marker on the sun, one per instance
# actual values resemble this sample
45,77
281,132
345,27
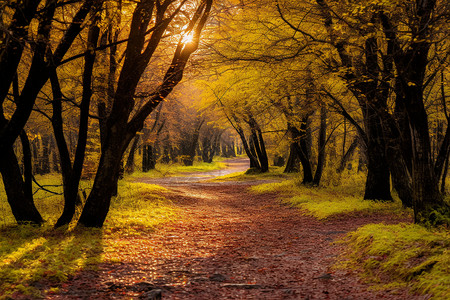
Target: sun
187,38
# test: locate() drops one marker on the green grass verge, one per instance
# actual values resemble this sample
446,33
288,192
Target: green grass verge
30,254
325,202
275,173
402,255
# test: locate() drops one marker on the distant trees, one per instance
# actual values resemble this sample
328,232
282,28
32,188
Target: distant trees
46,54
375,64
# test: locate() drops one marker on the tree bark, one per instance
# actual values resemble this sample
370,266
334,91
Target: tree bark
71,189
21,203
27,165
129,166
347,155
378,185
321,146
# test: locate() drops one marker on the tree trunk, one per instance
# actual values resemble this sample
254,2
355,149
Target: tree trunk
21,203
27,165
293,163
301,149
148,159
45,159
321,146
444,177
71,189
129,166
378,186
347,155
258,144
97,204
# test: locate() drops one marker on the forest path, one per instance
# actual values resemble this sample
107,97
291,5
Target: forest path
231,244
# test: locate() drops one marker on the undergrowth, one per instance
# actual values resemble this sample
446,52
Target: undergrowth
30,255
402,255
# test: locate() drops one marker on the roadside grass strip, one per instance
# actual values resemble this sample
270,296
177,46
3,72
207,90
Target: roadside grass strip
401,255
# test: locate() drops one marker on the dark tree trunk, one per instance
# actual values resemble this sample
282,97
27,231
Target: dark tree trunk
251,154
189,145
378,185
22,205
129,166
399,169
209,147
304,152
45,159
27,166
347,155
293,162
148,158
444,176
71,190
321,146
300,148
258,145
97,205
165,159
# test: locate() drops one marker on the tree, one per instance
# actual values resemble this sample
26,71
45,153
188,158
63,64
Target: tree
43,61
121,125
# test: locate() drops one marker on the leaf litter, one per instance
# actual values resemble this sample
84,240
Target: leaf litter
231,244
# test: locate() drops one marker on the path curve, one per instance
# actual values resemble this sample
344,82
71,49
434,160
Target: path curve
232,166
231,244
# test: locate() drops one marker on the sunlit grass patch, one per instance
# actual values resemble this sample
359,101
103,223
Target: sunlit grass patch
31,254
402,255
49,204
325,202
275,173
342,205
139,204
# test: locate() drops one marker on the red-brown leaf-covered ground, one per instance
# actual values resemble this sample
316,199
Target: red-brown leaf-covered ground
231,244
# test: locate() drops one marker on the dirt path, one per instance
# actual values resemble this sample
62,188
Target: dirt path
230,244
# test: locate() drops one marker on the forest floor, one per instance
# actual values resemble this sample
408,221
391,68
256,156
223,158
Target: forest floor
231,244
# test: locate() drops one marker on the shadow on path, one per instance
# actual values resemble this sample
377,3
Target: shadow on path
231,244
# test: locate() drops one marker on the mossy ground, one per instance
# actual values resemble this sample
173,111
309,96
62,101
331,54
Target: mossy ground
401,255
326,202
275,173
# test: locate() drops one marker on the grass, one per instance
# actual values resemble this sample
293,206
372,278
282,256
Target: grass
388,256
49,205
402,255
275,173
30,254
326,202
